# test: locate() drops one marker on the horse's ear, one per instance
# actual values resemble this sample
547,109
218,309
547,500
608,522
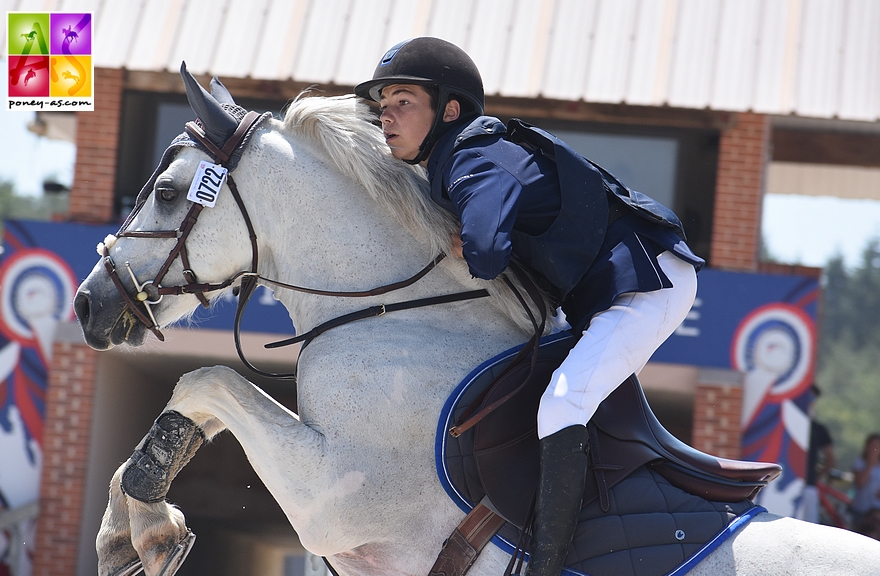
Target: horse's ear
219,91
219,124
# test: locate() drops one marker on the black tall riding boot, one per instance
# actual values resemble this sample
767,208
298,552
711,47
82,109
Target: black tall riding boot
560,491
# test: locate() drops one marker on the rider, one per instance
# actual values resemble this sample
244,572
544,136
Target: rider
621,270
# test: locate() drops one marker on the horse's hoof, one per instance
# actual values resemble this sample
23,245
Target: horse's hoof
119,558
178,555
131,569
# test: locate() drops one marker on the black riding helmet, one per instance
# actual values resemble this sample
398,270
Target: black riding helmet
430,61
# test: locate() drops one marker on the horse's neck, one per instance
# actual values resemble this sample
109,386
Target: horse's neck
318,229
310,213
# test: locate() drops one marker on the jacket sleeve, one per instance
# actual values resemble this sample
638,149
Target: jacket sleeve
486,198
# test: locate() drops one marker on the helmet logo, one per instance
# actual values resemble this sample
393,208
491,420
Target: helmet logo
392,52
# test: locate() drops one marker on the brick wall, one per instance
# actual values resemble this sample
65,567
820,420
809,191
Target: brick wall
739,193
742,158
70,394
97,134
65,457
717,410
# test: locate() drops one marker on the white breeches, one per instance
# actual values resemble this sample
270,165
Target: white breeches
617,343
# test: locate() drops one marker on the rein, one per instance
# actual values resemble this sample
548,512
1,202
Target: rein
249,284
151,292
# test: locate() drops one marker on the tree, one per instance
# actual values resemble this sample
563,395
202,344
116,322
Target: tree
849,348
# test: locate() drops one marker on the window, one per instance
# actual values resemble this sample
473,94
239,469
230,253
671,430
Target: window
675,166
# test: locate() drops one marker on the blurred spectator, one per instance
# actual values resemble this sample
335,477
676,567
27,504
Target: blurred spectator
866,502
820,460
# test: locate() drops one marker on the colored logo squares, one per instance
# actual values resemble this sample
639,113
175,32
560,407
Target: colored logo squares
50,61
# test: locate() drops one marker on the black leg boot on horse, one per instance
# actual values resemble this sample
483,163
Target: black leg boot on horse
560,493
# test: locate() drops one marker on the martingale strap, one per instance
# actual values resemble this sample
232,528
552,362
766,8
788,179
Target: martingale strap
249,284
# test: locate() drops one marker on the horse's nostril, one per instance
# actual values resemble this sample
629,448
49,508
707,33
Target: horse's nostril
82,307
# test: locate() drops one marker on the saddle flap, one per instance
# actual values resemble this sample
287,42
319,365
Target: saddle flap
506,448
626,416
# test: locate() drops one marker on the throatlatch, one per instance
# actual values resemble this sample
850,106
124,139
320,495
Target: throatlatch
168,446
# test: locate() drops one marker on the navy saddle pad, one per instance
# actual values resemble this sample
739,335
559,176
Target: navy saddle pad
630,521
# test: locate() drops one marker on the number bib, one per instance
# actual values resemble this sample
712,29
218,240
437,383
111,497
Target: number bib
206,184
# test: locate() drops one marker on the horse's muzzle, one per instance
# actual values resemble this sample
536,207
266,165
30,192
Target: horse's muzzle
106,321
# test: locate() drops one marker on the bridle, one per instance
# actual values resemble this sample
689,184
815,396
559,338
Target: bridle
151,292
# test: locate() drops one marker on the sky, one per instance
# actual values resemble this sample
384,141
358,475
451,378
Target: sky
810,230
807,230
27,160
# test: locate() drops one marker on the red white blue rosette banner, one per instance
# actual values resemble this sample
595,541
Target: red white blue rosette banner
36,293
774,346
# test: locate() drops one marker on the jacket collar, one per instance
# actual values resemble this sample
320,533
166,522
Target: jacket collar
446,145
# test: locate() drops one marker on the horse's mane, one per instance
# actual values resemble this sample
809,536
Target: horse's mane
342,128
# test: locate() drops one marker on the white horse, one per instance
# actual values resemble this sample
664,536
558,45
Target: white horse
354,471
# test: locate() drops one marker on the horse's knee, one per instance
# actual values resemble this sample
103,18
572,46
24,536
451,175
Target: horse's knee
197,390
193,387
207,376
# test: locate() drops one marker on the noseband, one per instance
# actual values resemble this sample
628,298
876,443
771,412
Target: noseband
151,292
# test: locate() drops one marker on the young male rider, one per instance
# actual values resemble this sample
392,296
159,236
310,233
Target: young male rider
618,261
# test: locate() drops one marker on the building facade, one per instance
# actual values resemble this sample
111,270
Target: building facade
720,100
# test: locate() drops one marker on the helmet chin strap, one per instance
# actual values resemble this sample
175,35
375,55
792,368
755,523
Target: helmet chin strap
438,129
430,139
424,151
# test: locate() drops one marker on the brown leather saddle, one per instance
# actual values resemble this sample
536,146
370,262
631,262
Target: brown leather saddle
624,436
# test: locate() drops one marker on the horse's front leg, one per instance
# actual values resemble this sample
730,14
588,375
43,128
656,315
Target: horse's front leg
140,530
204,403
116,554
158,530
156,542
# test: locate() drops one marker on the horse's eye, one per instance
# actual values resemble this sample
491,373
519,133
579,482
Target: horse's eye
166,193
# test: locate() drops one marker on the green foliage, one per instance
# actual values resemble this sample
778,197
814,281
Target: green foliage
15,207
850,401
852,298
849,348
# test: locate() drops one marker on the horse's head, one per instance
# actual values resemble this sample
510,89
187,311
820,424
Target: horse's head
188,237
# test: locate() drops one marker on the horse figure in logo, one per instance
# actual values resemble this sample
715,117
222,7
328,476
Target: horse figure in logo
70,35
315,200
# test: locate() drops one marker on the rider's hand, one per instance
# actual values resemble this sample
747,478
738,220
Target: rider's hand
455,239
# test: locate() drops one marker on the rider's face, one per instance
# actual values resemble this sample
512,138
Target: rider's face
406,115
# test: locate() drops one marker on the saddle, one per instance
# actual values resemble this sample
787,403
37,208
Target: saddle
625,435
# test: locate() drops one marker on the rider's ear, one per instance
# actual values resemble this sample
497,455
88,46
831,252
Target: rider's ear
452,111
